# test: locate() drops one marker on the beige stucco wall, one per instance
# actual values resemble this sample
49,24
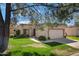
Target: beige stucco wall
12,30
72,31
28,27
41,33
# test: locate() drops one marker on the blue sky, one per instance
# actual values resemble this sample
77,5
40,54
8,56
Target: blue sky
72,22
22,19
3,10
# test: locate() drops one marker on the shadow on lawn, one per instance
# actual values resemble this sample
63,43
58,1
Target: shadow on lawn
36,54
52,44
21,53
28,54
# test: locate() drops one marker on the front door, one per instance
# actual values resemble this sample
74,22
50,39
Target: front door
34,32
24,31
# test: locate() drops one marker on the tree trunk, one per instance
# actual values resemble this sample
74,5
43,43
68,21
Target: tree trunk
4,27
1,31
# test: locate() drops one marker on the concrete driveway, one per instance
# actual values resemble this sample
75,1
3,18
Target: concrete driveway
62,40
69,42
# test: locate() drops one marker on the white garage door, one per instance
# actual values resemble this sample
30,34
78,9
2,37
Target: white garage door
58,33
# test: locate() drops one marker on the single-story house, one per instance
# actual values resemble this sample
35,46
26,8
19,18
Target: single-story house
29,29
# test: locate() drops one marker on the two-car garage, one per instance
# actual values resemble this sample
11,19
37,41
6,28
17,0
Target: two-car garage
56,33
53,33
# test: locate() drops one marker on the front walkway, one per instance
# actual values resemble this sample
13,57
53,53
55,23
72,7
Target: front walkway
74,44
76,54
35,40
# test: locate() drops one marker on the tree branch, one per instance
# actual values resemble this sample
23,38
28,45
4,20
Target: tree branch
33,6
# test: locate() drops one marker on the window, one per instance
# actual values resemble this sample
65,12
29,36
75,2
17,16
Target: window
24,31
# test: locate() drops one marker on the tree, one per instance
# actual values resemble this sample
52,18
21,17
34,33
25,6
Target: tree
4,28
48,22
4,25
65,11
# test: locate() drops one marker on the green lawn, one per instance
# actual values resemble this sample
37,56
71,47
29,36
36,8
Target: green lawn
27,47
73,38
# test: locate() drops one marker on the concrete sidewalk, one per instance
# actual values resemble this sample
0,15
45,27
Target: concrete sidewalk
35,40
76,54
75,45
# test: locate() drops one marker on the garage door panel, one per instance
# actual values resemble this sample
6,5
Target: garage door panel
56,34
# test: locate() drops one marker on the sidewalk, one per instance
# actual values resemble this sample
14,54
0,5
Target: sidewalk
76,54
75,45
34,39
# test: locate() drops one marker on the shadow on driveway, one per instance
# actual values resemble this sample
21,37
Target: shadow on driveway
62,40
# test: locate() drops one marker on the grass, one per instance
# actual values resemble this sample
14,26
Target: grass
27,47
73,38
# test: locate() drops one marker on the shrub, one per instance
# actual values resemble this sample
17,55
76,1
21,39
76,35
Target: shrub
42,38
17,33
77,36
23,36
49,38
11,36
20,36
